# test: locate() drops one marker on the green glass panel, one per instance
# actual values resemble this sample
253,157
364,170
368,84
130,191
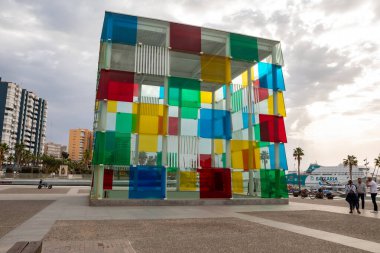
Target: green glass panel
125,122
191,98
257,132
237,100
184,92
171,169
159,159
110,146
122,149
273,184
174,96
189,113
263,144
244,48
98,156
224,160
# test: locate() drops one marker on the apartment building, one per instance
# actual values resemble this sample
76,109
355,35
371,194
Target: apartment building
80,140
54,149
22,118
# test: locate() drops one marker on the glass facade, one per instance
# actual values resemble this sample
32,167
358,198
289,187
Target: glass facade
185,112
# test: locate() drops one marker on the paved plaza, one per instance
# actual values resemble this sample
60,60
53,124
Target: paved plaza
66,223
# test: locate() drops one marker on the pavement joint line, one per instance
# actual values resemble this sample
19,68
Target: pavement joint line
338,209
318,234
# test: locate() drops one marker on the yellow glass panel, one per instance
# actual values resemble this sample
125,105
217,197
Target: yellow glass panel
152,109
218,146
244,77
270,105
188,181
237,160
135,108
237,182
252,73
148,124
148,143
215,69
238,145
280,104
256,162
206,97
112,106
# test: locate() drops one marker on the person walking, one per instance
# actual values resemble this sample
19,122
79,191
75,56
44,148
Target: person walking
351,196
361,192
373,190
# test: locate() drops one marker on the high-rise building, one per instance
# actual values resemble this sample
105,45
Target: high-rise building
187,112
22,118
80,140
54,150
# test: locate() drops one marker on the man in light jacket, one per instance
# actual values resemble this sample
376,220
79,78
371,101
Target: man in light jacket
373,190
361,191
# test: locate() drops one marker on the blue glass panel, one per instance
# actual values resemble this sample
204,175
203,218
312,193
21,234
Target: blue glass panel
245,120
283,161
214,124
147,182
162,92
119,28
271,77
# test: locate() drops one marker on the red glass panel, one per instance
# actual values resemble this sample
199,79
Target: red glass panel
185,38
260,94
205,160
173,126
245,158
116,85
215,183
107,179
272,128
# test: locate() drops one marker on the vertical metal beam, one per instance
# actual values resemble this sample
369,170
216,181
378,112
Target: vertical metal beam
228,108
138,123
212,140
250,133
165,137
275,112
99,184
179,147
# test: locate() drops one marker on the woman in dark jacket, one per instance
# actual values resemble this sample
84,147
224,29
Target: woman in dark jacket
352,196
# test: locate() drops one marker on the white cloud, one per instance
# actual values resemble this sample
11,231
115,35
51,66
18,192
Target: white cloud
330,49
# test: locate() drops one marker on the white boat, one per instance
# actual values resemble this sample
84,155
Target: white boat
332,176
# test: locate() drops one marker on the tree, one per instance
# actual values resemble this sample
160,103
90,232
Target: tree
50,164
4,148
377,164
349,162
86,157
19,148
10,159
65,155
264,156
297,154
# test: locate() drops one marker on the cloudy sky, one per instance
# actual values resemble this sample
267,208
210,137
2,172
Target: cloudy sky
331,51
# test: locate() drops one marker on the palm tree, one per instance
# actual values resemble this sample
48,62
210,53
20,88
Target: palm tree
19,152
377,164
86,158
4,148
297,154
264,156
10,159
349,162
